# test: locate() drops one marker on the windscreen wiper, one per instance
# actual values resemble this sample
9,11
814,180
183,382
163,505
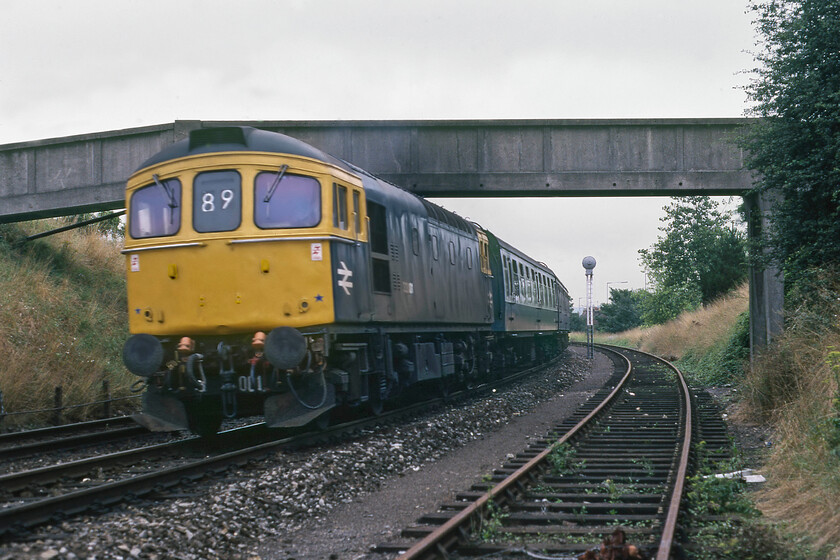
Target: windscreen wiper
169,193
277,179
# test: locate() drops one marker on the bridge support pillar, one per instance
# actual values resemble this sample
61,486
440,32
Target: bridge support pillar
766,280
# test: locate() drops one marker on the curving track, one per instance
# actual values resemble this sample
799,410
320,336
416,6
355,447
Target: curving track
620,463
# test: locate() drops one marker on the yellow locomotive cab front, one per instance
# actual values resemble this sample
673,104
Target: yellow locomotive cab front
231,243
223,246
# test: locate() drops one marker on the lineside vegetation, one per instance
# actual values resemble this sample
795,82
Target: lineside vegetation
62,320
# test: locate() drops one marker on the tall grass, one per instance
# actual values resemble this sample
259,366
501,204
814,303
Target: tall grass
62,318
795,384
710,344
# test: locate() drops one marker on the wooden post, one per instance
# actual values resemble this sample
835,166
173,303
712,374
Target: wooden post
106,393
56,419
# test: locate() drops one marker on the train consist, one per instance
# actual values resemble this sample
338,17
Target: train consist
366,292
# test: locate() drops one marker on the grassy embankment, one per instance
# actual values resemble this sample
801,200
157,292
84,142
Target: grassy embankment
794,387
62,321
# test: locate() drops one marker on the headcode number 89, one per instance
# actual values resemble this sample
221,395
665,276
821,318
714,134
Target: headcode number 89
208,200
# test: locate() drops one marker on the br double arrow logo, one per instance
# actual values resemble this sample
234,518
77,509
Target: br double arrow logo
344,281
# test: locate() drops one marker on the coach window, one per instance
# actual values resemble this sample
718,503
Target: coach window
517,282
156,209
435,247
547,291
452,254
530,276
282,200
506,272
469,258
217,201
339,206
509,270
535,287
542,290
484,253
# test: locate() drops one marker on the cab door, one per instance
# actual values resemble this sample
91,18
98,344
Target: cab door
349,256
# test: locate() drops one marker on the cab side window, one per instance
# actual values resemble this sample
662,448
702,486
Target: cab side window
357,212
340,206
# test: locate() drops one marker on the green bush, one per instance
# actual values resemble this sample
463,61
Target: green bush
724,362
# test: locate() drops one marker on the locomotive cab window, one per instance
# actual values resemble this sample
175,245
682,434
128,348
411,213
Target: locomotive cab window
339,206
283,200
217,201
357,212
156,209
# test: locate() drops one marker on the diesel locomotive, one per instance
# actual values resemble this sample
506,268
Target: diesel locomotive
265,276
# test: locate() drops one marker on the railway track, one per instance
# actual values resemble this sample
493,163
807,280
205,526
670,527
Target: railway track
613,471
17,445
48,494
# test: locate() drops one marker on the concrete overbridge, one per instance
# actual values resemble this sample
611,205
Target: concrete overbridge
527,158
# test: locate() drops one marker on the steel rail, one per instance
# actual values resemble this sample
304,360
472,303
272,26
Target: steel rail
433,543
71,442
43,510
670,527
39,433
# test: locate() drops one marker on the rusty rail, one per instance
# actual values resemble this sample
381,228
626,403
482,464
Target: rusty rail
455,530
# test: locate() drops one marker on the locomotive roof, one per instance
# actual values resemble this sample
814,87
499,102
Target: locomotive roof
240,138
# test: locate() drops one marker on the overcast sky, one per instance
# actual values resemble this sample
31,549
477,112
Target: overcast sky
81,66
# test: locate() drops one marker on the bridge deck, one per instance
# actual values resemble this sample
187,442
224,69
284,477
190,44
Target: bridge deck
630,157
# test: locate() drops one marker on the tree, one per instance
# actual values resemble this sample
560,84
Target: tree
701,256
795,146
577,322
623,312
